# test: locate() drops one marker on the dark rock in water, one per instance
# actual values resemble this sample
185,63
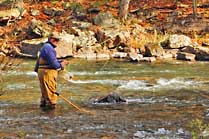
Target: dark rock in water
111,98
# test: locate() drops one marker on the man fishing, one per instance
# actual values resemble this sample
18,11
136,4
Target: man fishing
47,67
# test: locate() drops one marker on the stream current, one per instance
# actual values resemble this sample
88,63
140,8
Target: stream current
163,98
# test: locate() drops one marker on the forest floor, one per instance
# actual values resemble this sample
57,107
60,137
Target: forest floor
164,16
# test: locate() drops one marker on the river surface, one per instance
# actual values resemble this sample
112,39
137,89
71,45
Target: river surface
163,98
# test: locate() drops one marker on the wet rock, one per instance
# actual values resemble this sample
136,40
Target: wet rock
147,59
202,53
166,56
111,98
185,56
134,56
119,54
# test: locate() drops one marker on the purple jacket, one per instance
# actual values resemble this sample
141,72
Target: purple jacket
48,53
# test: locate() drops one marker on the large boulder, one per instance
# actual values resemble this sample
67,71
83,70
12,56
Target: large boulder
111,98
106,20
65,46
31,47
177,41
185,56
113,37
170,53
202,53
106,36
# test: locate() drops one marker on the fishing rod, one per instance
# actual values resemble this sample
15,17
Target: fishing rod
67,77
74,105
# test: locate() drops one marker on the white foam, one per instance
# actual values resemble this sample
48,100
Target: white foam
162,83
134,85
108,81
97,73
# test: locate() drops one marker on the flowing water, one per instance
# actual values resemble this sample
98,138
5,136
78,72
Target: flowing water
163,98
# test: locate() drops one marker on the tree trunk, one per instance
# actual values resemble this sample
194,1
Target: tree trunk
123,9
194,2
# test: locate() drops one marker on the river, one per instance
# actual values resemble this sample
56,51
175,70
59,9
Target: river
163,100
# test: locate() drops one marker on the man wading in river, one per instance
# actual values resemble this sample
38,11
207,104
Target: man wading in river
47,67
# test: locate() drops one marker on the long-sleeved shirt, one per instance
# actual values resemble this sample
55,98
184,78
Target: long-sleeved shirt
48,53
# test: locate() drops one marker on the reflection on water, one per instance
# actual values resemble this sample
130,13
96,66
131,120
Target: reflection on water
162,98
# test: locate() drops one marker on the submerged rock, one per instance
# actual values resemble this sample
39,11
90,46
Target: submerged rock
111,98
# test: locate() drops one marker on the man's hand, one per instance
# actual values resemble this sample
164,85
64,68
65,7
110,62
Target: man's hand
64,63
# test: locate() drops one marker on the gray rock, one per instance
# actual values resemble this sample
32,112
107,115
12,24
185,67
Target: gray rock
31,47
119,54
166,56
81,24
65,48
101,56
177,41
134,56
147,59
185,56
111,98
202,53
105,19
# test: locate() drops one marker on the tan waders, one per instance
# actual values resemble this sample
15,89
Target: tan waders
48,85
